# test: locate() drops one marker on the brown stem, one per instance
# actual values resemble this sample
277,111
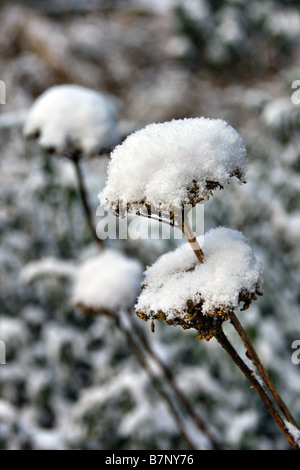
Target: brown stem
180,395
191,238
84,199
186,229
155,382
225,343
256,361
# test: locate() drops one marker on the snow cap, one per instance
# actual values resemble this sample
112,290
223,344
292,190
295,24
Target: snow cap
179,290
71,117
171,164
106,283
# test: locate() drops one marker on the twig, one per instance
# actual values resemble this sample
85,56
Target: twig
84,199
191,238
252,355
180,395
155,382
225,343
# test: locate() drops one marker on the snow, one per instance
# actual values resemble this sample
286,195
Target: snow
107,282
245,422
7,412
11,330
47,267
71,116
281,114
48,440
169,164
229,269
293,431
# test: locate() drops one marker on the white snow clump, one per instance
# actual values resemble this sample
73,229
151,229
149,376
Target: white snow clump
107,283
229,275
72,117
170,164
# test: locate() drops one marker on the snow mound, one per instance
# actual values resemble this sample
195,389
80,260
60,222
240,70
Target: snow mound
179,290
106,283
70,117
170,164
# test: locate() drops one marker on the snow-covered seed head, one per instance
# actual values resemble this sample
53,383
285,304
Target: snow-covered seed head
107,283
172,164
73,120
179,290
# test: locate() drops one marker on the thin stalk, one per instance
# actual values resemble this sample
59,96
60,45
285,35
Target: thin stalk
155,382
227,346
84,198
191,238
157,219
252,355
199,422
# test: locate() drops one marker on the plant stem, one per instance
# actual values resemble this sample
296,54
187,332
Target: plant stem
191,238
155,382
180,395
84,198
252,355
227,346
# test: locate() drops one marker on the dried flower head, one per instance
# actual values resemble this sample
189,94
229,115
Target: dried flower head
70,119
172,164
107,283
179,290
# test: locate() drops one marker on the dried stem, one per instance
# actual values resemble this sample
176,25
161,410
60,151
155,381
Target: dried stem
155,382
191,238
180,395
157,219
252,355
225,343
84,199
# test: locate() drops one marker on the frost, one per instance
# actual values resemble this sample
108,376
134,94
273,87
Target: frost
293,431
7,412
229,269
48,440
246,421
47,267
281,114
11,330
71,117
108,282
173,163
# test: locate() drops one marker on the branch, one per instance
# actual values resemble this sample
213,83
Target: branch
155,382
180,395
225,343
257,362
84,199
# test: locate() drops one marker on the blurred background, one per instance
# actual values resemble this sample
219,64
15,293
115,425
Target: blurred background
70,381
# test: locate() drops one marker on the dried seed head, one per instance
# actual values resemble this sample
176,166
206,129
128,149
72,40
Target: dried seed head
207,324
181,291
169,165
